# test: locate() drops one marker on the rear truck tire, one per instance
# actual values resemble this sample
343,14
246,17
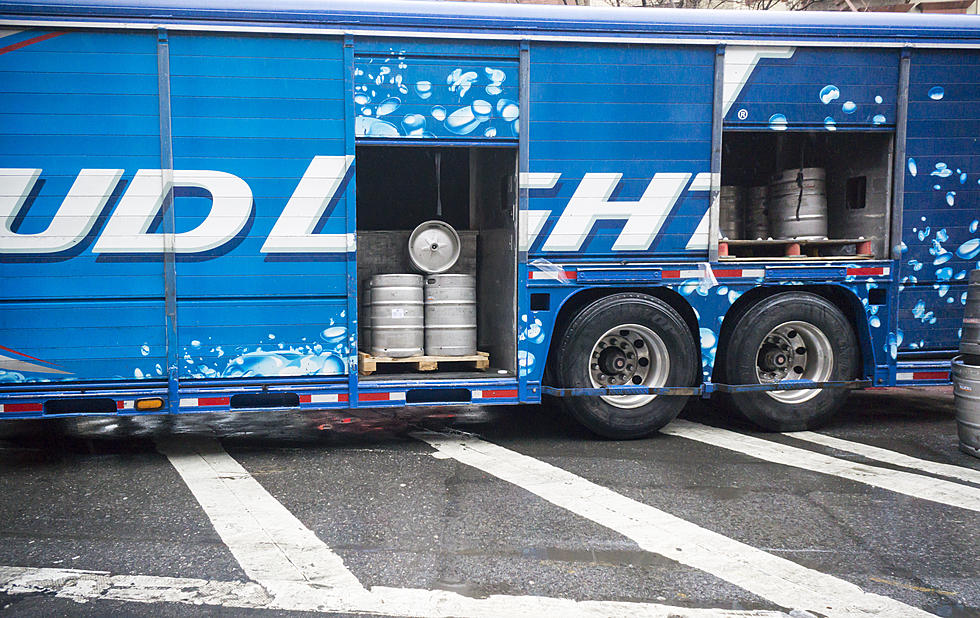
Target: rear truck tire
790,336
626,339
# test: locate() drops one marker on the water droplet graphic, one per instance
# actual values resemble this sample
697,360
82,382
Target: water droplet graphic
708,338
941,170
936,93
463,121
943,290
912,167
878,119
969,250
962,178
362,99
507,109
525,362
384,70
963,300
688,287
951,197
158,369
481,107
875,321
777,122
915,264
974,226
423,89
919,309
491,132
829,93
848,107
878,99
944,274
960,275
923,233
413,123
145,349
733,296
460,82
195,344
372,127
942,236
830,124
138,373
942,258
722,290
439,113
389,105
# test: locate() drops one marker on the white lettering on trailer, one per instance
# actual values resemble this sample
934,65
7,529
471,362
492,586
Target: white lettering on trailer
740,61
127,228
591,203
531,221
293,231
699,240
70,224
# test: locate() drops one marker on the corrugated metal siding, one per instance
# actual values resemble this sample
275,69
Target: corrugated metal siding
74,101
942,197
824,89
631,110
260,108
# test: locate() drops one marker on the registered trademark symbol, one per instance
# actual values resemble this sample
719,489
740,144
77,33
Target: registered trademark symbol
743,114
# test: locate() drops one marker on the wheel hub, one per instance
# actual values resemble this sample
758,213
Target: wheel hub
794,351
629,355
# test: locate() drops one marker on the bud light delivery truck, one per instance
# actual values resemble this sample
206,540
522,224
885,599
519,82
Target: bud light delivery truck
774,208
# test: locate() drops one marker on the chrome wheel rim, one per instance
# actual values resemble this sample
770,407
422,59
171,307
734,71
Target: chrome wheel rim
794,351
629,355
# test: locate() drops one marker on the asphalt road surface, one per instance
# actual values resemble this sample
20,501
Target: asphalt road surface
491,512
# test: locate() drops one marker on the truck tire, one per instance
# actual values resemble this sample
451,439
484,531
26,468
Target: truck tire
791,336
630,339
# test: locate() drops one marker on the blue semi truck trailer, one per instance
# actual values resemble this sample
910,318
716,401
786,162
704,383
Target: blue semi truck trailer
193,195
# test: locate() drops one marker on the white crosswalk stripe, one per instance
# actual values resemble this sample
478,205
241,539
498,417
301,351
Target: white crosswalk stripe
910,484
886,456
779,580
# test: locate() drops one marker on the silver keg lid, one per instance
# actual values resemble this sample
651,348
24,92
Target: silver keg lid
433,247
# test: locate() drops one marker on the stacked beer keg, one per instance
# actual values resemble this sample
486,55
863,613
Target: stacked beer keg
406,314
966,372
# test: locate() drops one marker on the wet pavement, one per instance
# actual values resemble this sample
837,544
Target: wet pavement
490,511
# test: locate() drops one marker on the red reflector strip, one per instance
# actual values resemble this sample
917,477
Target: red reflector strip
381,397
910,376
865,271
205,402
547,274
504,393
22,407
728,273
725,273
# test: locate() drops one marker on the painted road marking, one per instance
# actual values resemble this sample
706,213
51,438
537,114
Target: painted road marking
884,455
781,581
908,483
83,586
296,569
267,540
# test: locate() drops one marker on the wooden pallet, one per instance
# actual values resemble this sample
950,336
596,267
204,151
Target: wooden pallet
369,364
795,249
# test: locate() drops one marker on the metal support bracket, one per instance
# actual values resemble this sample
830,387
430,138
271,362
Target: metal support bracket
703,389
